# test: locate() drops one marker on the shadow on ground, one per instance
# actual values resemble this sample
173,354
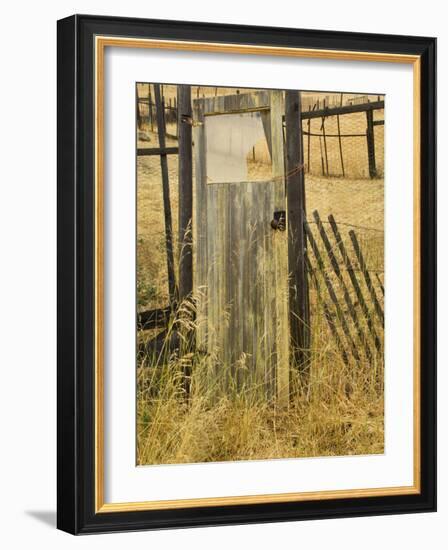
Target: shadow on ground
48,517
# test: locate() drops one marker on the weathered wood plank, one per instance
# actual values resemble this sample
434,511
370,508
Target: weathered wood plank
308,142
172,289
295,193
137,108
242,276
324,138
156,151
343,110
200,258
150,108
321,156
263,104
238,103
154,318
185,172
341,156
280,250
370,135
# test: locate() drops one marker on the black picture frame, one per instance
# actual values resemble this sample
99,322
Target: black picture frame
76,301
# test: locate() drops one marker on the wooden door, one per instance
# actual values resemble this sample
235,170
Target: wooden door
241,274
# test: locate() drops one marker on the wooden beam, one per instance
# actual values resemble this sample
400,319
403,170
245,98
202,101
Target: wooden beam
280,254
150,113
370,135
185,191
341,156
322,164
166,197
324,136
154,151
343,110
137,107
295,193
154,318
308,142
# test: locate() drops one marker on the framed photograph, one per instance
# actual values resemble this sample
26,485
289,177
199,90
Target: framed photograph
246,274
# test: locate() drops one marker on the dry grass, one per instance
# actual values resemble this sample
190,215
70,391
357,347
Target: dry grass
340,414
342,411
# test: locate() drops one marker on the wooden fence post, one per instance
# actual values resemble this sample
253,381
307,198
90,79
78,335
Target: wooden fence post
166,197
295,192
371,143
185,191
176,113
150,113
137,106
308,152
279,254
340,142
324,135
321,156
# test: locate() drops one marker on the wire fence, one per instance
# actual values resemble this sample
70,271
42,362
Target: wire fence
343,145
335,144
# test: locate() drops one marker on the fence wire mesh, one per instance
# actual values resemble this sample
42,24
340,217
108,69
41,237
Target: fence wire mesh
337,145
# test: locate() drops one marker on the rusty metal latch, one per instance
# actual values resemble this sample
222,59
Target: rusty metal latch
279,221
187,119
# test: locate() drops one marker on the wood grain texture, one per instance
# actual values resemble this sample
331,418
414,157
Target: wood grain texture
240,261
295,192
185,209
166,196
200,259
370,134
280,250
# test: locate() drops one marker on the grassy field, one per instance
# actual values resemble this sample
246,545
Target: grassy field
341,412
